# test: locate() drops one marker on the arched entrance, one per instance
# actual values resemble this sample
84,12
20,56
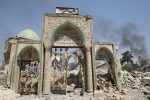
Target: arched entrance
28,62
105,71
67,43
67,70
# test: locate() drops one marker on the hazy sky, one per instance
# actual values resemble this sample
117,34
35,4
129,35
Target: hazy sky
108,16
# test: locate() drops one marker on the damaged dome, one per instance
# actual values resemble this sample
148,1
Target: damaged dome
28,34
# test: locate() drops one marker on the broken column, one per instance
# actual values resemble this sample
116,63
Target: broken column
117,68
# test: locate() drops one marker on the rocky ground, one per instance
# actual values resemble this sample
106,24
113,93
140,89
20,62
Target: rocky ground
129,94
136,86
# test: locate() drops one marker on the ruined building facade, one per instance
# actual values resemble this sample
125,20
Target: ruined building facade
43,66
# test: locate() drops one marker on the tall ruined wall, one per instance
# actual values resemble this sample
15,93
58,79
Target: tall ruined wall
80,35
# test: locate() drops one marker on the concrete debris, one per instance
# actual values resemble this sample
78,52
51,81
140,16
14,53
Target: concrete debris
136,87
7,94
137,82
146,81
71,88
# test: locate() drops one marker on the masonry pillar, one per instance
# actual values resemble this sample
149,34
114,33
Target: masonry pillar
12,54
46,81
89,76
117,71
117,68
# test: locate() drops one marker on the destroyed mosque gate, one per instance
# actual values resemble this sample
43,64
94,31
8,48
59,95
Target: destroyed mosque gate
43,66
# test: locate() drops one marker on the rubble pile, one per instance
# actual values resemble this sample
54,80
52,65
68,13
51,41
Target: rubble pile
137,81
135,87
7,94
107,91
132,80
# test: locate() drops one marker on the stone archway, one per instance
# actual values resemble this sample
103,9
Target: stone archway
28,62
105,67
68,34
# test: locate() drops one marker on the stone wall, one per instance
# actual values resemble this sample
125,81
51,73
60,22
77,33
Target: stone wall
81,36
53,21
15,71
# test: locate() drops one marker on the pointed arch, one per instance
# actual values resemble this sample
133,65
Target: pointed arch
25,49
104,53
68,25
28,61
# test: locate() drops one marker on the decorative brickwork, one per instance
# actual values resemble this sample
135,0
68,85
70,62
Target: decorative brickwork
16,69
63,31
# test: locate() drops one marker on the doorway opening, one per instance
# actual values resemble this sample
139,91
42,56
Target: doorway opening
105,70
67,70
28,62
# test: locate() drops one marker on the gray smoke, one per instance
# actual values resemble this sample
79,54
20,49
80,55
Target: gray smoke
128,36
131,38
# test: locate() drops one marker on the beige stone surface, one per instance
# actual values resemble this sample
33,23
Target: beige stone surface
67,31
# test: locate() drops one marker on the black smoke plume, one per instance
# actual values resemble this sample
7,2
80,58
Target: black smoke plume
128,36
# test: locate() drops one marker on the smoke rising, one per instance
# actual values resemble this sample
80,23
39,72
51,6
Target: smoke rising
128,36
131,38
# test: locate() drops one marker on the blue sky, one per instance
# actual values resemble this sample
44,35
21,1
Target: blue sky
17,15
